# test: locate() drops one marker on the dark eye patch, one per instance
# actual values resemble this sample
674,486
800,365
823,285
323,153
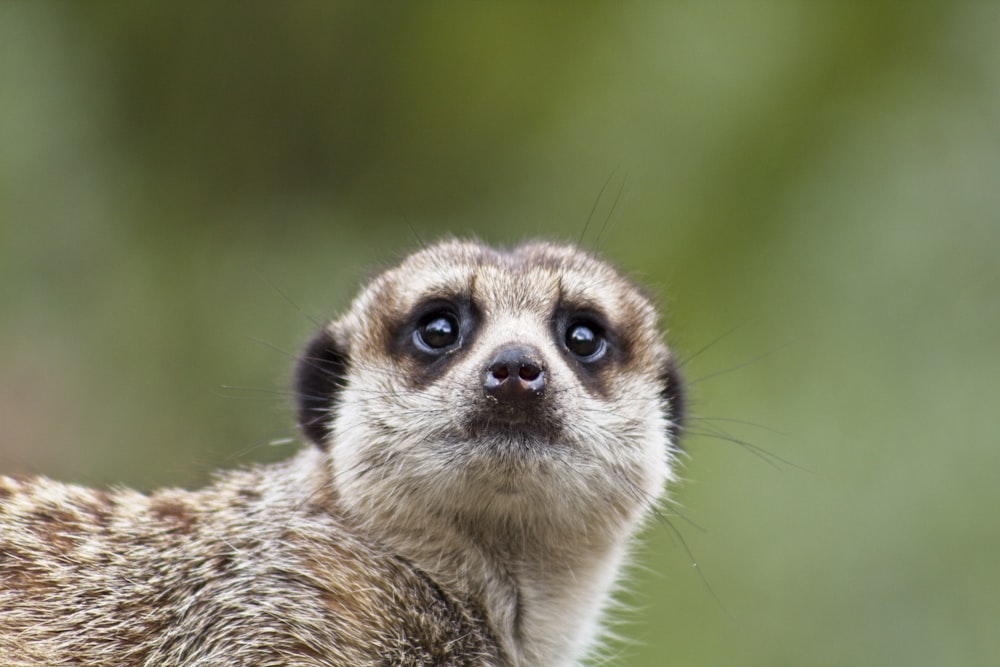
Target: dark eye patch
589,343
433,336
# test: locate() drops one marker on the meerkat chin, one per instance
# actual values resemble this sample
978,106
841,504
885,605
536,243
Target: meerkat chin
489,429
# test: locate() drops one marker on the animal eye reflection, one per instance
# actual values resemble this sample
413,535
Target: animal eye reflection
585,341
437,331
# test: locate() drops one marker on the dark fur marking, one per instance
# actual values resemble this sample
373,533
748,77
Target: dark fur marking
674,398
171,511
222,563
98,512
423,368
593,375
320,376
19,571
249,494
55,525
105,499
45,515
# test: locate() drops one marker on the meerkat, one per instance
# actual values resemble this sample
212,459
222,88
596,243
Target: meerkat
487,431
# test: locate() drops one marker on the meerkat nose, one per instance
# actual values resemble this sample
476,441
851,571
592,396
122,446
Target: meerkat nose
515,375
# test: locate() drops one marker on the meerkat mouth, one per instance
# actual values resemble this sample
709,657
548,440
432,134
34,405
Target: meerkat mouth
502,428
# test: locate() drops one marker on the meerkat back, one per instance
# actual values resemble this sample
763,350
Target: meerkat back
487,429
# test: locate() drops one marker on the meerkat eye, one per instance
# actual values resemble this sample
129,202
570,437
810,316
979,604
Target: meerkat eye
585,341
436,332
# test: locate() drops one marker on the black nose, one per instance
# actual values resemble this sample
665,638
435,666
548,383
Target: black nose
515,376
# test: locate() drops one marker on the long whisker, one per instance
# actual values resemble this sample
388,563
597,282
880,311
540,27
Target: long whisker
593,208
613,214
737,367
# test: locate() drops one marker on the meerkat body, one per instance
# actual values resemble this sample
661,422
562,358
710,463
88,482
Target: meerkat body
490,428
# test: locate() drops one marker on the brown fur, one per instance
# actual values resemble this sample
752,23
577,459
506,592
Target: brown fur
240,573
423,530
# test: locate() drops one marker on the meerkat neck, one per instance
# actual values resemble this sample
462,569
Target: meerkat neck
543,586
558,599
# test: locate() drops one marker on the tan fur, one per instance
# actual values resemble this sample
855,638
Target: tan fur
414,535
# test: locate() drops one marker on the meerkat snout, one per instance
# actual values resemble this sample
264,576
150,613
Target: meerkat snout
516,376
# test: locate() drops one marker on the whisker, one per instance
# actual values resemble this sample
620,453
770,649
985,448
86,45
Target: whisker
613,213
737,367
770,458
593,208
743,422
290,301
684,360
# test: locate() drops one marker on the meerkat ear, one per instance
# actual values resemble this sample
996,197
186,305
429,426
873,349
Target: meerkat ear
320,375
674,399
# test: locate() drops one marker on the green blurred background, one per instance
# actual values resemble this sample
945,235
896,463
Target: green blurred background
812,185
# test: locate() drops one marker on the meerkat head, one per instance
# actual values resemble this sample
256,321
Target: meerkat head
476,385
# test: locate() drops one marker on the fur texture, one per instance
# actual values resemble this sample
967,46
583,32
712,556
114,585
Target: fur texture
431,525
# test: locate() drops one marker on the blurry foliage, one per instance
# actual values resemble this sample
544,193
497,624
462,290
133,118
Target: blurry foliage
185,192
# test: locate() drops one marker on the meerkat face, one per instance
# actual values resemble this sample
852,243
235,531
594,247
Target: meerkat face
477,383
